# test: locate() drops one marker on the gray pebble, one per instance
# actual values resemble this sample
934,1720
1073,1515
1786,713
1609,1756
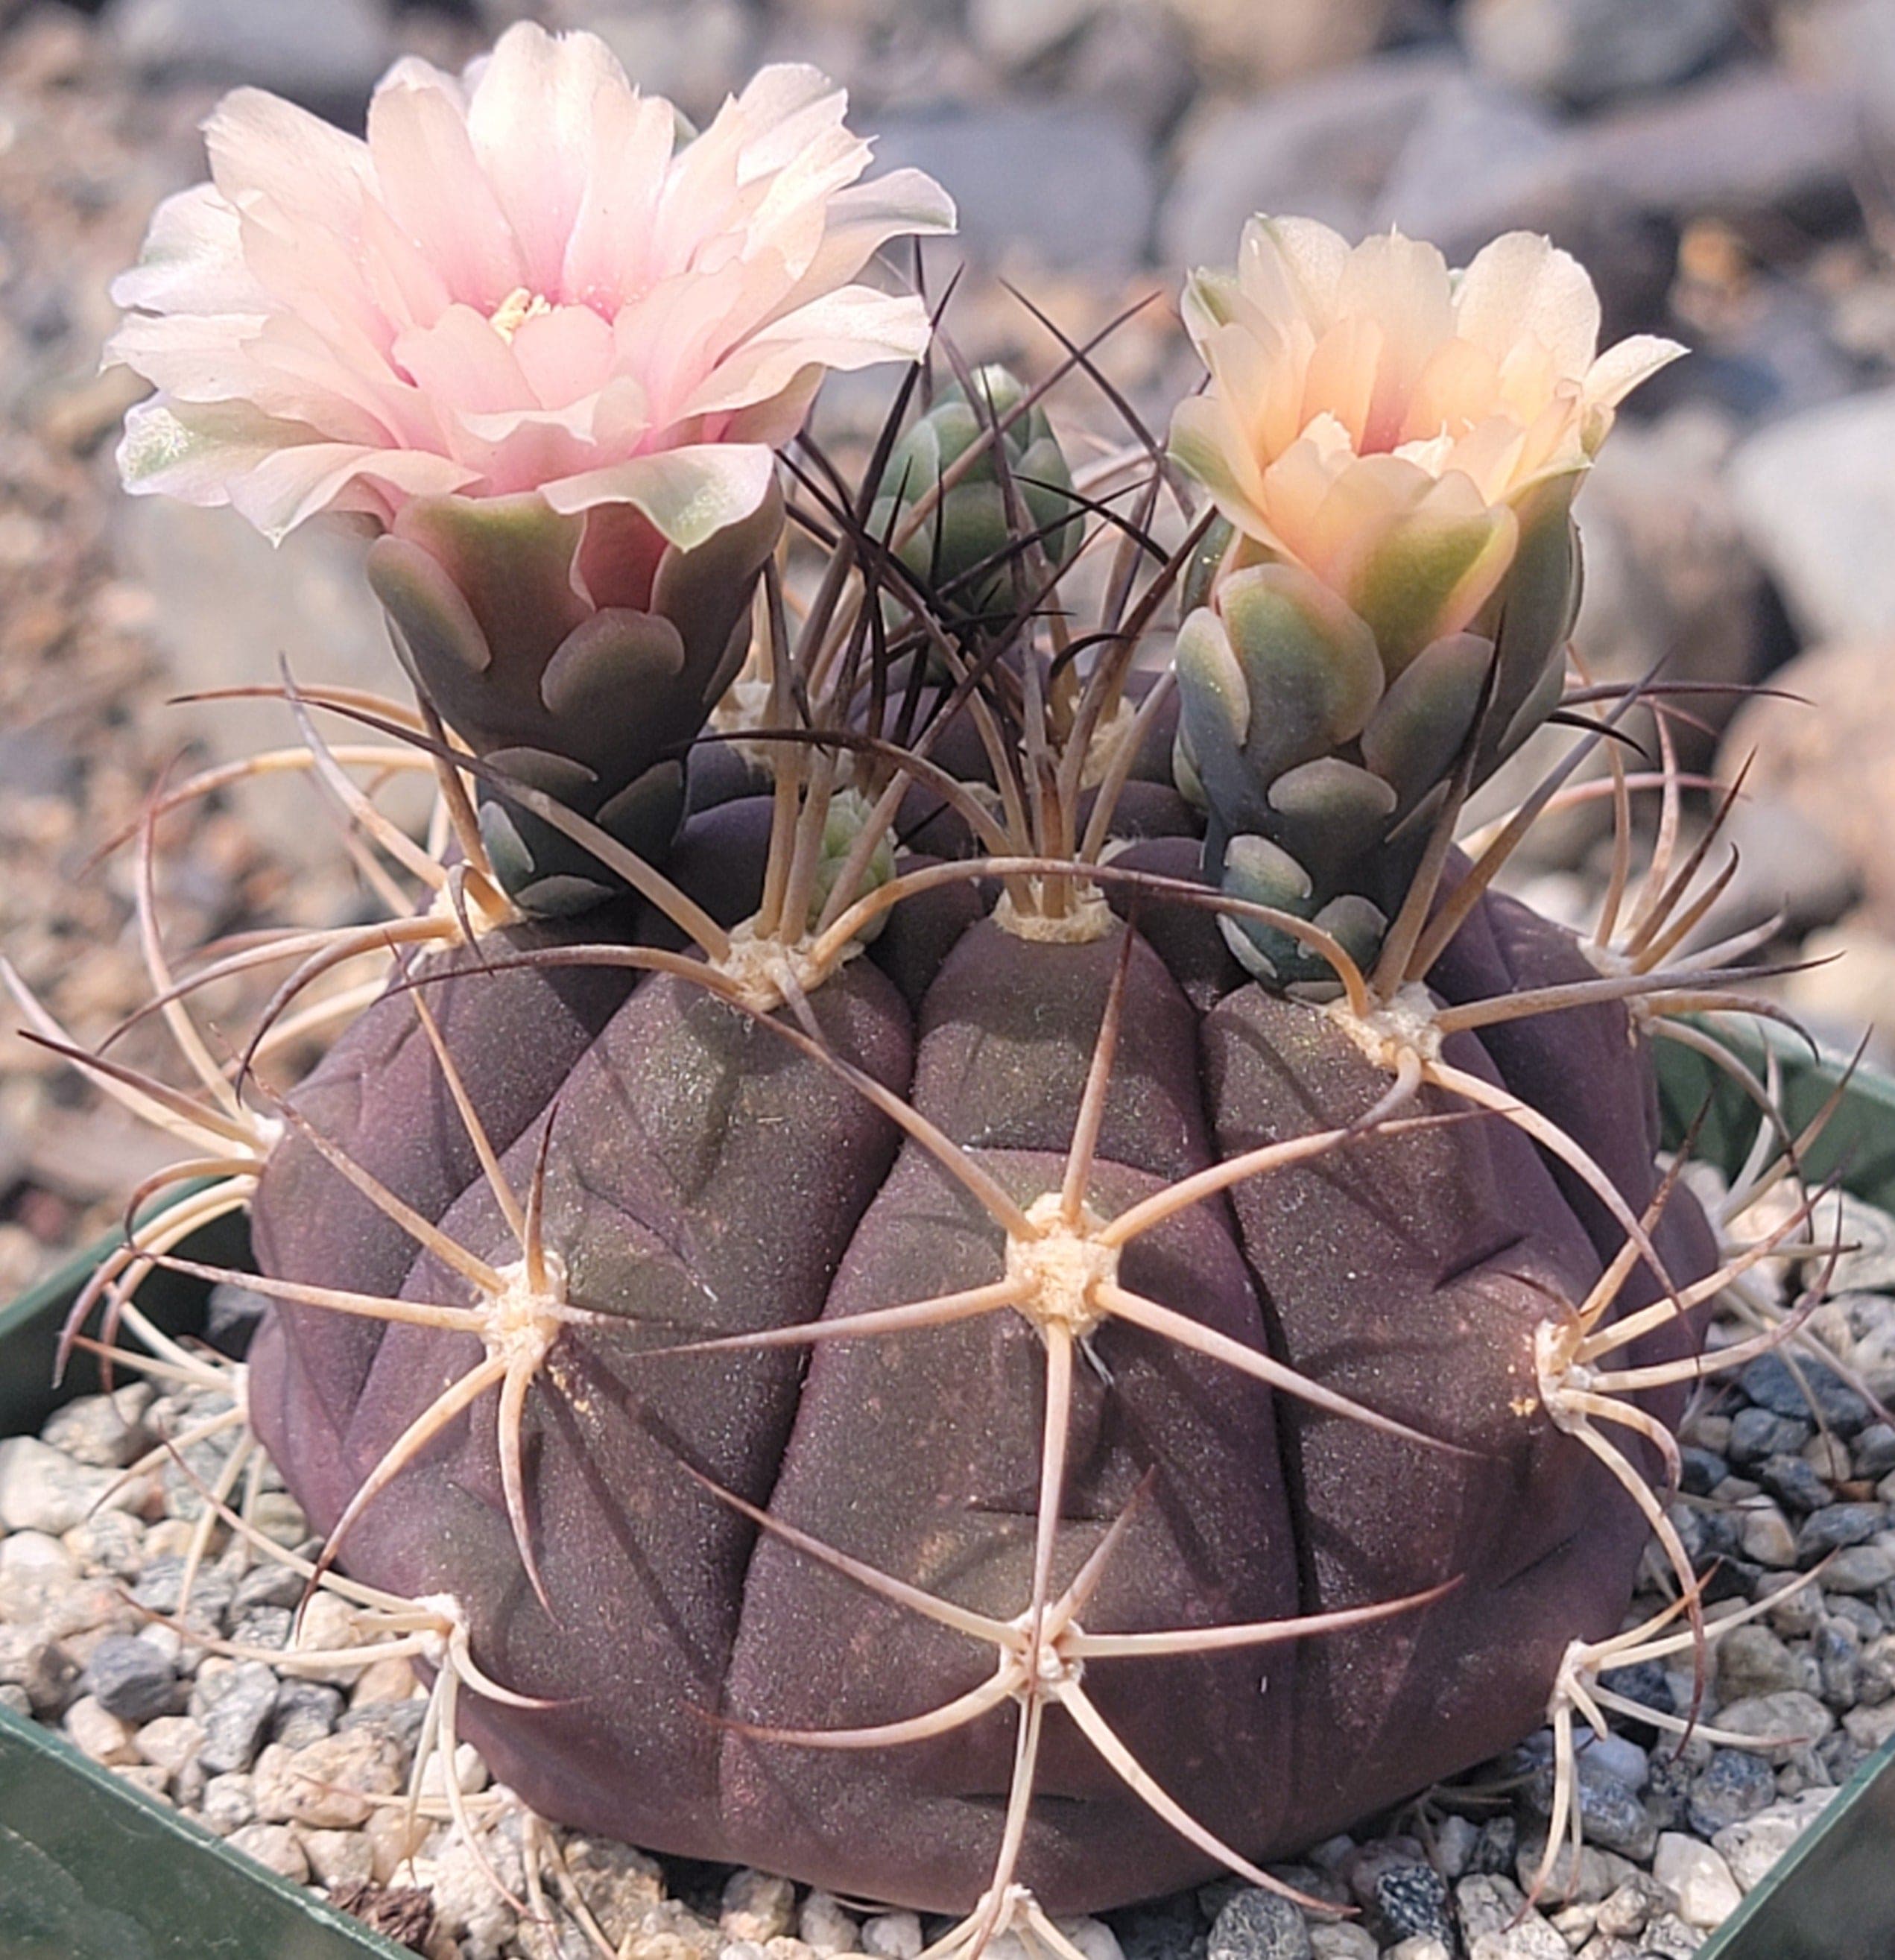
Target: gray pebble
1752,1660
1837,1650
306,1712
1496,1848
400,1721
237,1706
1258,1925
1611,1815
1171,1929
1412,1901
268,1585
1794,1481
131,1679
103,1431
1734,1784
1498,1925
267,1626
1873,1455
1771,1383
163,1583
1839,1525
1756,1433
1859,1568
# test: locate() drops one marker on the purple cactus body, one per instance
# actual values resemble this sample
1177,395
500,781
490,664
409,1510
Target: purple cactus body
706,1178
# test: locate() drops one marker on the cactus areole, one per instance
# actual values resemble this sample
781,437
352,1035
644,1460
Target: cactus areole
936,1307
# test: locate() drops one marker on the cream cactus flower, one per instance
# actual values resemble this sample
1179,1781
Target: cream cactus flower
522,281
1393,426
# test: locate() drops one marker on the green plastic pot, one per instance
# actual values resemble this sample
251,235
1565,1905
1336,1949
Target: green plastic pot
92,1870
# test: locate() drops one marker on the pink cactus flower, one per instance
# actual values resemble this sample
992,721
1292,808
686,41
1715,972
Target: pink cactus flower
1390,426
523,281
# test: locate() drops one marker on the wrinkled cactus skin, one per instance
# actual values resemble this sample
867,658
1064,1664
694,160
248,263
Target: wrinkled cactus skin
704,1178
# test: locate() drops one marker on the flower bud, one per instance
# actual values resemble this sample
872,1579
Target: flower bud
963,550
1392,450
578,655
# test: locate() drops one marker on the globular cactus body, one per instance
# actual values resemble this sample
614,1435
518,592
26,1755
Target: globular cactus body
703,1179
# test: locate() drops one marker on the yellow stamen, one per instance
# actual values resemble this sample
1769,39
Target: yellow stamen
519,307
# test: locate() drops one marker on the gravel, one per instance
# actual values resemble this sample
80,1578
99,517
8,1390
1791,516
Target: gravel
304,1774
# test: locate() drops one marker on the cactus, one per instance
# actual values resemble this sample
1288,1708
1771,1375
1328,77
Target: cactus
860,1360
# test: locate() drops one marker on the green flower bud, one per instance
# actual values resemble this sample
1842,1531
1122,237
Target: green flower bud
964,548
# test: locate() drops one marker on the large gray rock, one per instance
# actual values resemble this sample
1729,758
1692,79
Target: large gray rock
1816,493
1069,184
327,55
1588,51
1320,150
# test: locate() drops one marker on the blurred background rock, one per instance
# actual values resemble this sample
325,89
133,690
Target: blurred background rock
1725,167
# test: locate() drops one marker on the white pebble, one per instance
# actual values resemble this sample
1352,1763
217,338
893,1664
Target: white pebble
893,1936
1697,1877
102,1736
825,1927
275,1846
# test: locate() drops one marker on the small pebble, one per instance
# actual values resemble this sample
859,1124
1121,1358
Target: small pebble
1342,1939
339,1859
1697,1877
131,1679
1789,1721
1772,1383
100,1733
230,1802
106,1432
756,1906
1412,1901
825,1928
1734,1785
1756,1434
1258,1925
170,1742
1454,1840
1497,1923
42,1490
234,1707
1750,1848
1859,1568
306,1711
326,1783
1837,1525
1766,1535
1792,1481
274,1846
1752,1660
893,1936
1873,1455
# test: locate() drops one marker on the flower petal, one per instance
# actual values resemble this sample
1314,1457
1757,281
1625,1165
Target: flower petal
1629,365
854,328
193,259
264,151
533,121
688,494
433,186
1523,285
289,486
